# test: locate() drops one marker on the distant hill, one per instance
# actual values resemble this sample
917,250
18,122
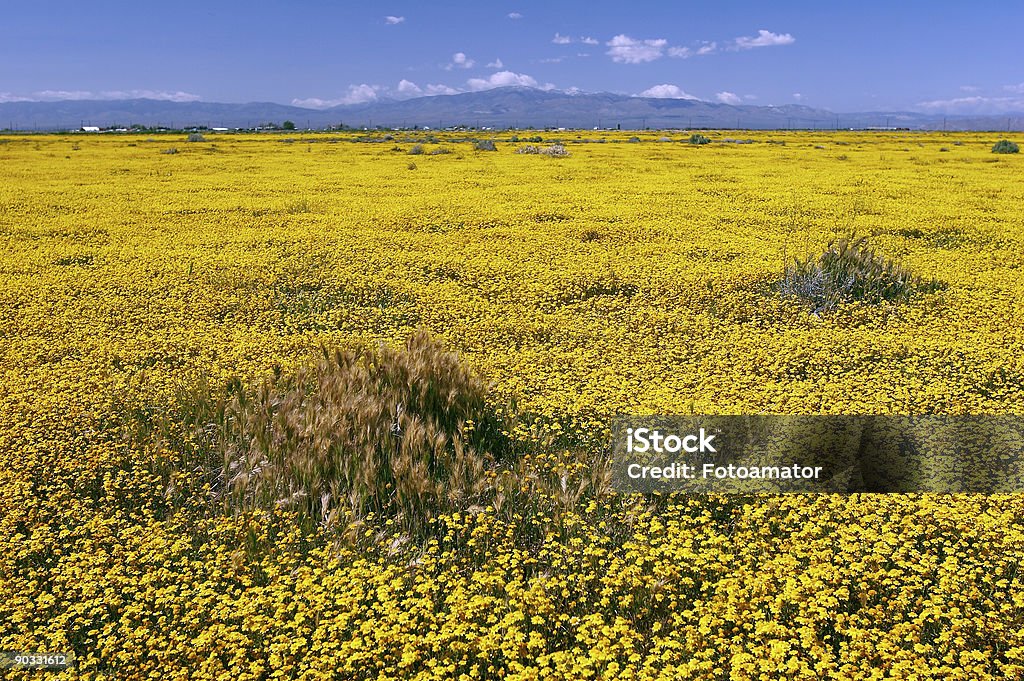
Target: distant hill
498,108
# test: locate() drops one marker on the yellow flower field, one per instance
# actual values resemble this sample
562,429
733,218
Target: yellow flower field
625,278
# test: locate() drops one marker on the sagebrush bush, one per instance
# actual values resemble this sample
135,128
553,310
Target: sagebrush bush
403,432
416,149
699,139
196,137
554,150
849,270
1005,147
485,145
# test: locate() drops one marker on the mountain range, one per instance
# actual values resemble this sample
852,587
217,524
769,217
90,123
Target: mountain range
506,107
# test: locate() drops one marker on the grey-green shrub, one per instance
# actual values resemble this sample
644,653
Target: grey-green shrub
1005,147
849,270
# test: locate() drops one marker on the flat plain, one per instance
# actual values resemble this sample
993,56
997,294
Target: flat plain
625,278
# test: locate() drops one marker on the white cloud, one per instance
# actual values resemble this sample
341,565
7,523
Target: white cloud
47,95
551,60
587,40
573,91
707,48
78,95
560,39
392,20
514,15
969,88
1016,89
726,97
666,91
797,96
626,50
680,52
501,79
496,64
439,89
409,88
461,61
763,39
150,94
977,105
357,94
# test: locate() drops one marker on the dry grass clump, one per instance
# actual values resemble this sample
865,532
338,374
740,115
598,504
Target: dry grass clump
556,150
403,432
849,270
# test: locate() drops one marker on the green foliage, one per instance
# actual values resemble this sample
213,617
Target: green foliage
288,125
850,271
1005,147
696,138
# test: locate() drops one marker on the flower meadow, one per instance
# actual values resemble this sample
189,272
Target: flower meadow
614,278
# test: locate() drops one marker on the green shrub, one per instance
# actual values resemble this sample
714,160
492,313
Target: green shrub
1005,147
850,271
699,139
485,145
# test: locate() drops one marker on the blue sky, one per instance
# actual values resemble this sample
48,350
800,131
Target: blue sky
925,56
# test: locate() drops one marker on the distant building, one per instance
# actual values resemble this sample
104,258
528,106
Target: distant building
90,128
